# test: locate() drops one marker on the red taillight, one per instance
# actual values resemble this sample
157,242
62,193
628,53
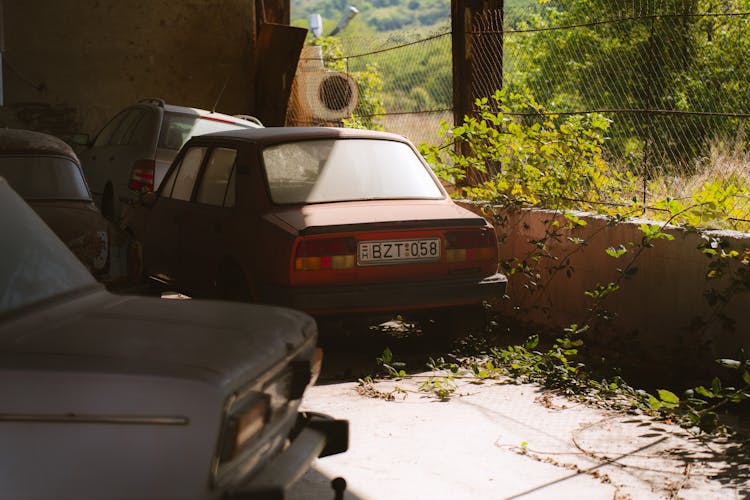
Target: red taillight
323,254
468,246
142,175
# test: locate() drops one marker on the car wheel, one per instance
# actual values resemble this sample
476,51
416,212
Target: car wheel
108,202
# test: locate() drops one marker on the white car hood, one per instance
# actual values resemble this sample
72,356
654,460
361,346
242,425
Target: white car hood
231,342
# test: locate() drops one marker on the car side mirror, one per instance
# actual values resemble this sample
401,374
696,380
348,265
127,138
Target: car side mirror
149,198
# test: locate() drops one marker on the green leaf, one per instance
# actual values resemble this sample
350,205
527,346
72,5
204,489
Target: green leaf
702,391
387,356
616,252
746,377
654,403
668,396
532,342
577,221
716,385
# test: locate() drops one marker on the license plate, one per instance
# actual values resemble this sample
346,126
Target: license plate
370,253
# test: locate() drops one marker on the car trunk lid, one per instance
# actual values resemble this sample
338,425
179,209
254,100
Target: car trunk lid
376,215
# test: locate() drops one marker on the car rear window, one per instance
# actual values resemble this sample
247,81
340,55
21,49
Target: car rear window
177,128
44,177
323,171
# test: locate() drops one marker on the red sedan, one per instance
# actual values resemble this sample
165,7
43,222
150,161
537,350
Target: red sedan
321,219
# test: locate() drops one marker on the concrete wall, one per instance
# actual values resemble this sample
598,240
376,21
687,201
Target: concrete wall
661,309
71,64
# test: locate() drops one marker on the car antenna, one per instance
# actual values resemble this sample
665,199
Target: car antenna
221,93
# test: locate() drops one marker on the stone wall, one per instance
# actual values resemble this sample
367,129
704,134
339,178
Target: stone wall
69,65
662,309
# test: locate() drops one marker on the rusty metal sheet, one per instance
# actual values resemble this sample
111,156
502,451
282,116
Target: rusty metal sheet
279,48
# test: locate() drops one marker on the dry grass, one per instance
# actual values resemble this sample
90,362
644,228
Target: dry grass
728,164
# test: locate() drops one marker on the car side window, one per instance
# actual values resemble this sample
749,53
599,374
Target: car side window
109,129
216,177
185,174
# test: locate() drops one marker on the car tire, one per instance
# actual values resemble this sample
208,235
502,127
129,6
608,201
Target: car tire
108,202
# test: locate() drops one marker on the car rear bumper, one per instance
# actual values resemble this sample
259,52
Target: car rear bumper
390,296
316,435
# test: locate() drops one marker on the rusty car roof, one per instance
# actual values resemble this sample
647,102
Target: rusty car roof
29,142
274,135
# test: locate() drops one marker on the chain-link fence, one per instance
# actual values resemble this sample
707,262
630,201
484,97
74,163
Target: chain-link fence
404,83
671,76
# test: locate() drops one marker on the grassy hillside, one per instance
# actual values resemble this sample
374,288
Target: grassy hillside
381,15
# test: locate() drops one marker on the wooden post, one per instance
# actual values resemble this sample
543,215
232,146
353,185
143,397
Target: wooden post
278,47
474,73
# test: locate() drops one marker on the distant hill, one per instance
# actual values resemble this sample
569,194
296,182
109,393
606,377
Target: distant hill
382,15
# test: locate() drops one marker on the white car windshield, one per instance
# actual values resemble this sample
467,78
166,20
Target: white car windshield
44,177
323,171
36,265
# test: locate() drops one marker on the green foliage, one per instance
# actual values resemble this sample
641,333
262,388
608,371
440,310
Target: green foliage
538,159
378,15
369,82
682,62
370,104
392,368
697,409
419,75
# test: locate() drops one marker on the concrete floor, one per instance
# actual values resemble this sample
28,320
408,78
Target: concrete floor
501,441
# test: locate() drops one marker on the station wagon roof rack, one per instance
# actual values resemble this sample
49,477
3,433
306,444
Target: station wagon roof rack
154,100
249,118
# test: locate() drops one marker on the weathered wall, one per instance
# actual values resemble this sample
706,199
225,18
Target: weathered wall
71,64
660,312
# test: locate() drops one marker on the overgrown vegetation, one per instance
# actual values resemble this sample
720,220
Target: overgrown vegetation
369,82
524,156
673,74
681,55
516,152
561,369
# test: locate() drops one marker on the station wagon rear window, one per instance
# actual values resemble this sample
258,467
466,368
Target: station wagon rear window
44,177
323,171
177,128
